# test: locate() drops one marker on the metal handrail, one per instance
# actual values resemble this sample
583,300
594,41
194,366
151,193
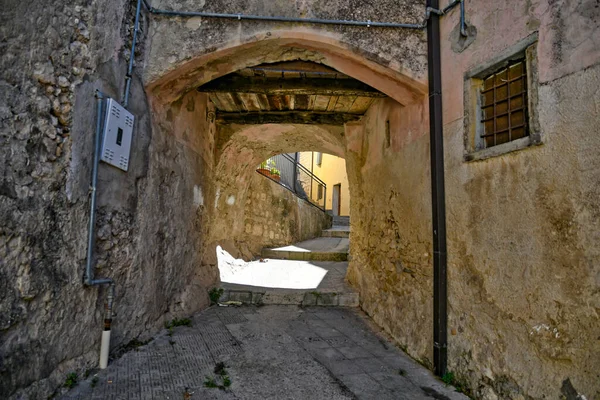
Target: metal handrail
290,173
302,167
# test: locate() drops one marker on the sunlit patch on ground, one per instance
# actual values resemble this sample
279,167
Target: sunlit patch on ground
284,274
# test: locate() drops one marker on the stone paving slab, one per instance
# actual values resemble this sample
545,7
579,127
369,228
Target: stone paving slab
270,352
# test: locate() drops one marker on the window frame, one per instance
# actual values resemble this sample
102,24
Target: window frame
319,159
474,142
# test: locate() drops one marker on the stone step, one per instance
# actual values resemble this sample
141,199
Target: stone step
313,297
319,249
337,231
304,256
341,220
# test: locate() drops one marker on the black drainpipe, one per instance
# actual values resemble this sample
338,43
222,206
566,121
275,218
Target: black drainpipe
438,195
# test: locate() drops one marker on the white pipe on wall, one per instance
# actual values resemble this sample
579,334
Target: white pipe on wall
104,347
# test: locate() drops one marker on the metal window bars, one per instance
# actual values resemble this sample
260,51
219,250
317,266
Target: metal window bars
504,105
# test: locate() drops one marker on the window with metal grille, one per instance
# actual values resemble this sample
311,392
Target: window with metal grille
504,105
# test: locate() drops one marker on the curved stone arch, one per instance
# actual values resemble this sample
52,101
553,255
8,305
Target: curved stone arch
284,45
253,144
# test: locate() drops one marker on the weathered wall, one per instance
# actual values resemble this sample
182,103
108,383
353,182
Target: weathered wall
149,222
523,252
274,216
390,208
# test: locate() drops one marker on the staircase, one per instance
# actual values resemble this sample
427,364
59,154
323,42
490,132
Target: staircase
325,257
340,220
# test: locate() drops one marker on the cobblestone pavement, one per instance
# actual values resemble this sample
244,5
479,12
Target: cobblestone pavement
269,352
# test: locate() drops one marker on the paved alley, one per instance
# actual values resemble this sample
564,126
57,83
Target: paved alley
269,352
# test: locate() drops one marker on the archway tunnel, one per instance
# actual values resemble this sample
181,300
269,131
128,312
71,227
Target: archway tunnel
287,95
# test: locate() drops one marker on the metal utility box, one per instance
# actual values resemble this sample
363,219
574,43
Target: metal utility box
118,131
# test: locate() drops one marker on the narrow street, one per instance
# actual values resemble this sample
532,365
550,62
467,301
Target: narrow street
269,352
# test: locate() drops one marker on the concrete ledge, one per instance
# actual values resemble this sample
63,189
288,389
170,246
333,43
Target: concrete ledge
335,233
287,297
304,255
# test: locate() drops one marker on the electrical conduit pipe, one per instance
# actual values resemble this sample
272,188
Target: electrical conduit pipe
89,273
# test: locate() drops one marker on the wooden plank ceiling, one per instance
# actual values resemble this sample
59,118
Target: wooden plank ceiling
289,92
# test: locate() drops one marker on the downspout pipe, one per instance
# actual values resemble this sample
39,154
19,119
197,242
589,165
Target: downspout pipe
89,273
438,195
136,27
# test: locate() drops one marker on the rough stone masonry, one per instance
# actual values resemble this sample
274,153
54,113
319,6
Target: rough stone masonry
523,226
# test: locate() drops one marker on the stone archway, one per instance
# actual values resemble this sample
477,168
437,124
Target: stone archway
229,154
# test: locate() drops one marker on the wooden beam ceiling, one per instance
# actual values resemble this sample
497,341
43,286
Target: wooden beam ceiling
286,117
304,86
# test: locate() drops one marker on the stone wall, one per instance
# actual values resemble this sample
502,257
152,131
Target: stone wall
150,221
274,216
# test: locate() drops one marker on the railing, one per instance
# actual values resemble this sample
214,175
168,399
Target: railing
289,173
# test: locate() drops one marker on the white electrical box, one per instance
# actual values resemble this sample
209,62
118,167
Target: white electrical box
118,131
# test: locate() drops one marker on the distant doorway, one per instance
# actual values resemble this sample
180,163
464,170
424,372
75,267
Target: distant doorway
336,201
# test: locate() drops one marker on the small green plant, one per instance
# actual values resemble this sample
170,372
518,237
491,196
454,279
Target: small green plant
94,382
215,294
448,378
178,322
275,172
71,380
220,369
401,372
221,373
210,382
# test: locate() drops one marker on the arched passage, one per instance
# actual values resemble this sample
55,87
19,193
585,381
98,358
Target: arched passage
386,219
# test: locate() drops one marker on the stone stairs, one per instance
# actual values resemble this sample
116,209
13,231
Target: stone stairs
318,249
337,231
328,254
340,220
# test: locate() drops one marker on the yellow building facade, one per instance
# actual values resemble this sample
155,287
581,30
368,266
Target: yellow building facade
331,170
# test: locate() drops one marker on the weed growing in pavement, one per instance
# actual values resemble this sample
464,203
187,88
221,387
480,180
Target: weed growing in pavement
71,380
221,373
215,294
94,382
177,322
450,379
210,382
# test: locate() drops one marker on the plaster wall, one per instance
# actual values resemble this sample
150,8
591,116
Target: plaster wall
523,255
332,171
